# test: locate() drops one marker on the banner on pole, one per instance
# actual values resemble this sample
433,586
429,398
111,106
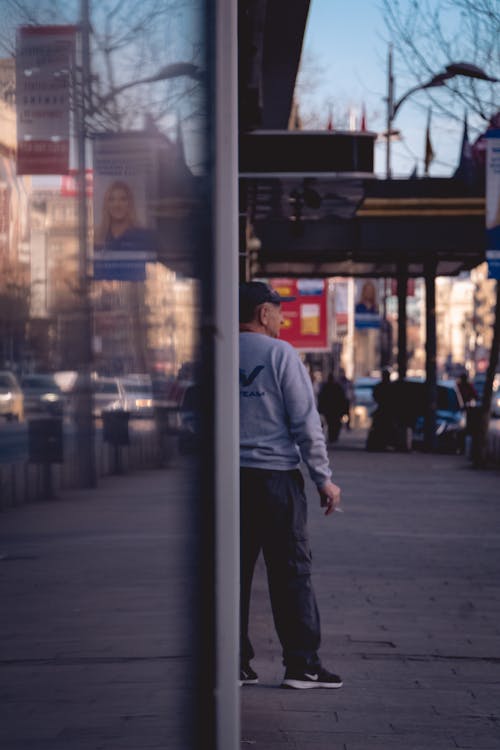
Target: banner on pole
44,62
125,186
493,203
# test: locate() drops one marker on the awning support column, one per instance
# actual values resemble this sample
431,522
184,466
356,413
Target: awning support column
402,280
430,356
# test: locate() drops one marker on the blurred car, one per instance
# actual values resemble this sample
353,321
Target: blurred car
108,395
495,402
137,395
11,397
450,415
42,395
363,404
479,383
179,415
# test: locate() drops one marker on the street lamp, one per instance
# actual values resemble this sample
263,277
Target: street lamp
468,70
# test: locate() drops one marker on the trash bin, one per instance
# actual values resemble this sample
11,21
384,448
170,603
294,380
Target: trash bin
473,431
115,427
45,440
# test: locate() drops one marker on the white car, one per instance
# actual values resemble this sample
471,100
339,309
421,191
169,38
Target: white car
137,396
11,397
107,395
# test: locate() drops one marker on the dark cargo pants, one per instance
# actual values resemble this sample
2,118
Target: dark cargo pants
274,520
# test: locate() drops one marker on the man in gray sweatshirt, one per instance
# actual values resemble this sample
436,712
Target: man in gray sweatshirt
279,427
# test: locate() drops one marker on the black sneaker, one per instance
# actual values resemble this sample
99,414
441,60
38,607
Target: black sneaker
248,676
316,678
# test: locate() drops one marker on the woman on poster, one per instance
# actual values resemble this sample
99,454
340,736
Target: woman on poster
120,228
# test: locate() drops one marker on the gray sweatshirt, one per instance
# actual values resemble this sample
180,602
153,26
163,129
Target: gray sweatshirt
279,422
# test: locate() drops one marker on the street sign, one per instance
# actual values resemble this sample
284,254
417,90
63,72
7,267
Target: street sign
493,202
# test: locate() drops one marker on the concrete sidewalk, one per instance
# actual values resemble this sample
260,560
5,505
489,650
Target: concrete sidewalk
408,583
96,597
96,600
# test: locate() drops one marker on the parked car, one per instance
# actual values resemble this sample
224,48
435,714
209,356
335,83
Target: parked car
178,415
11,397
137,394
450,417
399,422
108,395
363,404
42,395
479,383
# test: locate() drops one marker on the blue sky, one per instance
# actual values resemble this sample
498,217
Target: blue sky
348,42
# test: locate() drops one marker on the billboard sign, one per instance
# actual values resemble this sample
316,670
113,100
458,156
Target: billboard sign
124,186
493,203
366,310
44,61
306,319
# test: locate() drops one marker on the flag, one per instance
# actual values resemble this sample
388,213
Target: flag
414,173
467,169
429,151
362,125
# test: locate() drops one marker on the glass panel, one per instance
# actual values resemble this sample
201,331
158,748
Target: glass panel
104,263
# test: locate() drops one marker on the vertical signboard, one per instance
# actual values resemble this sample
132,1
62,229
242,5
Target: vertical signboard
366,309
305,319
44,61
493,203
125,185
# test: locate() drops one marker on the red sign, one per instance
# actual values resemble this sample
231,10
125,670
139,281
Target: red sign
410,287
69,183
42,157
306,319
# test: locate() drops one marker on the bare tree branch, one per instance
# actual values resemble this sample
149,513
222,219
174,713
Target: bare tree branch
432,33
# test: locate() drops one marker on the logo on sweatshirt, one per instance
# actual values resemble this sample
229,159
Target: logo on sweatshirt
246,380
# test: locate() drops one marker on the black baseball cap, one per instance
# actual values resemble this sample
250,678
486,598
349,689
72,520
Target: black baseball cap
255,293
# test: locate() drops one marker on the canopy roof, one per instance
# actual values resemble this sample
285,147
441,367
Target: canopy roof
332,225
311,199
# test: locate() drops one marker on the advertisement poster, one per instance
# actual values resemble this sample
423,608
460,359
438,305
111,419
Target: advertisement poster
493,203
124,185
44,59
306,319
366,309
341,296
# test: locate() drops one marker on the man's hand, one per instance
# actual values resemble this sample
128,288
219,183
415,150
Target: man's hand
330,497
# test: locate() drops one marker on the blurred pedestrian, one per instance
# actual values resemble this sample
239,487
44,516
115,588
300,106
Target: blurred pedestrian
279,427
332,404
383,431
467,390
348,388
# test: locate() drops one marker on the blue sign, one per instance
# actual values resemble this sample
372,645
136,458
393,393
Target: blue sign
493,203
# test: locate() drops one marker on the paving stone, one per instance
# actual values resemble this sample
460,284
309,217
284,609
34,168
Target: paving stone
96,645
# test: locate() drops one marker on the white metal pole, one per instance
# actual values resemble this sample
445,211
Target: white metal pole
85,427
226,378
